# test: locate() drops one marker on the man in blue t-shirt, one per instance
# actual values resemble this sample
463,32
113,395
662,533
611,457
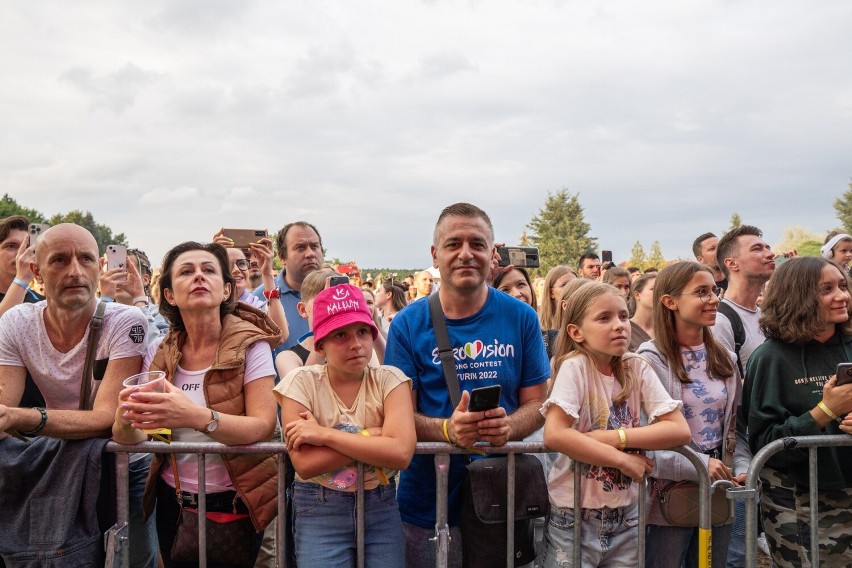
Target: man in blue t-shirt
495,339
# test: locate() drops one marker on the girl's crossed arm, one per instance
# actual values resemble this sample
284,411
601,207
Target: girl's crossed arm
316,449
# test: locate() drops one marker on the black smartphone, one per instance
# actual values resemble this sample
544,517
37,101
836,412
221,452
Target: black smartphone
844,374
337,280
606,256
526,257
484,398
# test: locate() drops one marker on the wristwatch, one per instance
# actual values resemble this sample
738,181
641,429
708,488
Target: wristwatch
213,424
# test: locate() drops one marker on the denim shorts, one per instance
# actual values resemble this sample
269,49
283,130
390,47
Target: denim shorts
324,525
608,537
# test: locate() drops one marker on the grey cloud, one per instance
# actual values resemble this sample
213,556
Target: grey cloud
201,17
116,91
328,70
444,64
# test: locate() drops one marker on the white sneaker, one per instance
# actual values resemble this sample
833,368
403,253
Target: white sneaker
762,545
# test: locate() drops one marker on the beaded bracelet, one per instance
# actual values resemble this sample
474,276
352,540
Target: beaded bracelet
41,424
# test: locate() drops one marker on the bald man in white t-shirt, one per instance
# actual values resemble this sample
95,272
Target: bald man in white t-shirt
49,340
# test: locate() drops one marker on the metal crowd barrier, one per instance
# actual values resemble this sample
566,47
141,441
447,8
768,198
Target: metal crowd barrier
117,539
749,491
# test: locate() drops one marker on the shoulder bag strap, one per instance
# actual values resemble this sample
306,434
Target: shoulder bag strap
88,371
445,351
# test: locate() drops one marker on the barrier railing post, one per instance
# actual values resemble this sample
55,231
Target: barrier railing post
442,529
705,519
510,514
359,517
281,519
117,538
643,487
578,511
202,509
814,497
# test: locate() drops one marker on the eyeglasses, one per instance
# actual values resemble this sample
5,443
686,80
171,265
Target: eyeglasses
242,264
705,295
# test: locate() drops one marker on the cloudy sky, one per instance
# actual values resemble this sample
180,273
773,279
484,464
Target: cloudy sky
170,119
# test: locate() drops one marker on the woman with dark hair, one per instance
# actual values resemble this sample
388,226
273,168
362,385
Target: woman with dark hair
640,304
390,299
217,360
697,370
791,390
516,282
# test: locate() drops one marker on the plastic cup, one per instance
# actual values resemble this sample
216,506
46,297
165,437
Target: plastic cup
154,380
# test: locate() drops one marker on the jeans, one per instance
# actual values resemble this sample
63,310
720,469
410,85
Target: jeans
677,547
143,534
325,527
736,550
608,537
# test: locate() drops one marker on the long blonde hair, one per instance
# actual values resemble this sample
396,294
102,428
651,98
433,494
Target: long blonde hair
549,306
573,314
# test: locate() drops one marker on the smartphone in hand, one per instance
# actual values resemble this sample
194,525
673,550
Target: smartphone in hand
844,374
36,229
116,256
484,398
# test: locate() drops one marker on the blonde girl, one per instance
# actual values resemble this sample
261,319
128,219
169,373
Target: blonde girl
592,416
556,279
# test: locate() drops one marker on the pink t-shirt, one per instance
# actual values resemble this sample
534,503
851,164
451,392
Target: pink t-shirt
585,394
258,365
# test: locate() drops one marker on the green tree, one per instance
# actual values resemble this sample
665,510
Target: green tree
843,206
8,206
637,256
736,221
793,239
560,231
809,248
656,258
102,233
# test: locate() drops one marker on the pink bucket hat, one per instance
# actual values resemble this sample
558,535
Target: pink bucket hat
338,307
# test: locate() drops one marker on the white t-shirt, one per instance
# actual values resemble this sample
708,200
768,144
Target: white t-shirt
586,395
258,365
24,343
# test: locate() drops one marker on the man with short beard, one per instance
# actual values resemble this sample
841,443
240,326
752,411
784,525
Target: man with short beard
300,250
49,340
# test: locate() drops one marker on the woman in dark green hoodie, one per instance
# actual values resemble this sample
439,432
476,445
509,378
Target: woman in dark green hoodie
790,391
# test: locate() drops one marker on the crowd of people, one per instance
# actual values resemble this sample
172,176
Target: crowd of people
611,366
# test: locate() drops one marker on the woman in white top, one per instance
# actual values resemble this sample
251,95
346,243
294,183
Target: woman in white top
217,358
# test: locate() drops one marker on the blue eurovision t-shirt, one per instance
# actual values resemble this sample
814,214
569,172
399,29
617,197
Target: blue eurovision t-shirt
500,344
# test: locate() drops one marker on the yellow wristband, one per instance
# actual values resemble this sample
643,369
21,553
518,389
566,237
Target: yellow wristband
622,437
446,433
822,406
365,433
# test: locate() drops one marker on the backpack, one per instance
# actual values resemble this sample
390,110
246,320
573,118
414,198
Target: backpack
737,328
